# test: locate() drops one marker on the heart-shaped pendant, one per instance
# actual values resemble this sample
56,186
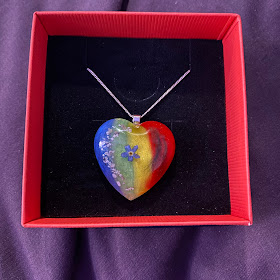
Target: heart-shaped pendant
133,157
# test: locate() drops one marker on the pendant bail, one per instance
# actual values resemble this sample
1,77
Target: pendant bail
136,119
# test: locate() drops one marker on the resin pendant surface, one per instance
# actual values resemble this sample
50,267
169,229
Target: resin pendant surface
133,158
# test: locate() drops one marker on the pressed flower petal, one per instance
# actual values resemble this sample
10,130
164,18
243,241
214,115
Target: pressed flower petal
136,156
134,148
125,154
127,148
130,158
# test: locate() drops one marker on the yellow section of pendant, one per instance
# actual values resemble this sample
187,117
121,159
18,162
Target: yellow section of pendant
142,166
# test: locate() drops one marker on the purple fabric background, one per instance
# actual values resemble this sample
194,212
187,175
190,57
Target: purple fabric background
214,252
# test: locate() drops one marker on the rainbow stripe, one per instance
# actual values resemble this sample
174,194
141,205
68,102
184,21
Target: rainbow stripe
133,158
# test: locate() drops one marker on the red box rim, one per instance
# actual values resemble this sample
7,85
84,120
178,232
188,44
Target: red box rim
47,22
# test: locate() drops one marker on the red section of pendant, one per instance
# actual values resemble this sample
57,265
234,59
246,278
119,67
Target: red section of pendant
163,149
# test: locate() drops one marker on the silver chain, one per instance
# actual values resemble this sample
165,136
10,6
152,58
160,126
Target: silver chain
119,102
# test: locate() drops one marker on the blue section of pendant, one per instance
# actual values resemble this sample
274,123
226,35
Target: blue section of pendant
99,152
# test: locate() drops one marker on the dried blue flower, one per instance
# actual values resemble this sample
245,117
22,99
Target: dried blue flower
130,153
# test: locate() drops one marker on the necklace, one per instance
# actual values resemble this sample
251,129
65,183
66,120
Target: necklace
132,155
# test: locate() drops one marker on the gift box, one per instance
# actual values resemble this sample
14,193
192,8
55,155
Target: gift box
138,55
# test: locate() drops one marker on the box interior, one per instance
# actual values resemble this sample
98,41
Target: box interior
138,71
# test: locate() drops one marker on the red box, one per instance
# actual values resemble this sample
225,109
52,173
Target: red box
225,27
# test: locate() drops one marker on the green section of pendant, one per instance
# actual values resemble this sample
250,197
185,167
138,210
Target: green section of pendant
124,173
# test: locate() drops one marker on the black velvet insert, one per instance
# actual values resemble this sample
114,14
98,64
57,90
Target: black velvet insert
138,71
